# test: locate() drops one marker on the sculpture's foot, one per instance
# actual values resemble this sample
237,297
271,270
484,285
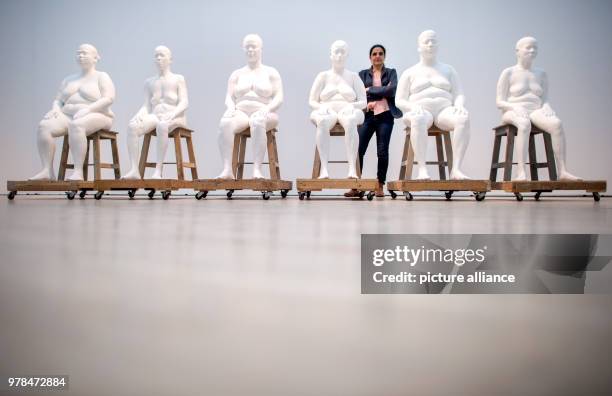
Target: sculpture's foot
76,176
156,175
352,175
257,174
456,174
134,174
323,174
520,176
422,175
44,174
226,175
568,176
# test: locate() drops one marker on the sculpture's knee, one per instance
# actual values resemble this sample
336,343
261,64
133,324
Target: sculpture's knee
326,122
257,122
462,121
418,122
162,128
225,125
555,126
76,127
523,126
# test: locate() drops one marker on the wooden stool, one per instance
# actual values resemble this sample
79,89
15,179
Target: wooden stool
510,131
238,155
176,134
443,143
95,139
337,130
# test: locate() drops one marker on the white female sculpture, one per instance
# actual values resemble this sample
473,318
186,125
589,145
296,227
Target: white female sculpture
522,95
254,94
430,93
338,96
81,107
163,111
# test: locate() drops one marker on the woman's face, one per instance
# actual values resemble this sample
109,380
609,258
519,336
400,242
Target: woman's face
86,56
252,49
377,56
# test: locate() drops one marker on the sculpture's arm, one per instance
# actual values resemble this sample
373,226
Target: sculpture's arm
183,100
361,101
403,93
315,91
107,93
58,103
457,89
229,97
503,84
546,107
277,86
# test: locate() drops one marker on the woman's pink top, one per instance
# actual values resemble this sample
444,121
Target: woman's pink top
380,106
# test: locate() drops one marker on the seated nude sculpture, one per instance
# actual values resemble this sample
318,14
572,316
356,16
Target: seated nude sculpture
254,94
81,107
338,96
429,93
522,96
163,111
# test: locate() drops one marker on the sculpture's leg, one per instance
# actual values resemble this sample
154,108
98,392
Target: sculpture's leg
162,129
228,127
460,125
349,119
324,122
78,130
136,129
48,130
554,127
259,125
523,127
419,124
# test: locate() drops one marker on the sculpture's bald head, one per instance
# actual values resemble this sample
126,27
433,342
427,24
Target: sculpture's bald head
253,39
525,41
427,43
87,56
526,49
338,53
252,45
163,57
164,50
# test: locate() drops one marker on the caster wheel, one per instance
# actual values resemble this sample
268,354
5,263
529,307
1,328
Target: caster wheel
11,195
370,196
284,193
98,195
131,193
596,196
201,194
266,195
151,193
70,195
82,194
480,196
229,194
308,194
448,195
166,194
537,195
361,194
393,194
302,195
408,196
519,196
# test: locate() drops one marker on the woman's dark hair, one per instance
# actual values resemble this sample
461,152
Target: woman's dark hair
378,46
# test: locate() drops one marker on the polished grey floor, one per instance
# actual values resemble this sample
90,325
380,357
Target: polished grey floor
253,297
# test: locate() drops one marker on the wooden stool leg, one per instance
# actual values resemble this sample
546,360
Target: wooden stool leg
440,151
192,160
358,165
533,159
241,155
144,154
448,147
178,154
316,165
235,154
116,166
409,159
86,161
273,156
550,156
495,159
96,147
63,159
510,133
402,173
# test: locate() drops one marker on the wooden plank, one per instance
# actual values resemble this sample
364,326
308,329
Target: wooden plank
509,152
495,158
48,185
440,185
242,184
123,184
96,153
192,160
334,184
144,154
546,185
64,158
178,154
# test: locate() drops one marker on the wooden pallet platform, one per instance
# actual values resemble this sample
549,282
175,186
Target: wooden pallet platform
306,186
539,186
70,187
479,187
265,186
165,186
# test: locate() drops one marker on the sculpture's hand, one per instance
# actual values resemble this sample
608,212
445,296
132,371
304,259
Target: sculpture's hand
167,117
51,115
346,111
81,113
460,111
548,111
521,112
229,113
416,110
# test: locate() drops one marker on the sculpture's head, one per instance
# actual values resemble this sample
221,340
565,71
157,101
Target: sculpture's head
526,48
163,57
338,53
428,44
87,56
252,45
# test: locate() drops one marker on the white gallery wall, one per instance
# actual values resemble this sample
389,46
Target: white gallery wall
38,40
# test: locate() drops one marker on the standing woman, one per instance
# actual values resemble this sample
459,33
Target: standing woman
380,83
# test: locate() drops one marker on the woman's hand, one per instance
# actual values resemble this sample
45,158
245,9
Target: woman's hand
370,106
